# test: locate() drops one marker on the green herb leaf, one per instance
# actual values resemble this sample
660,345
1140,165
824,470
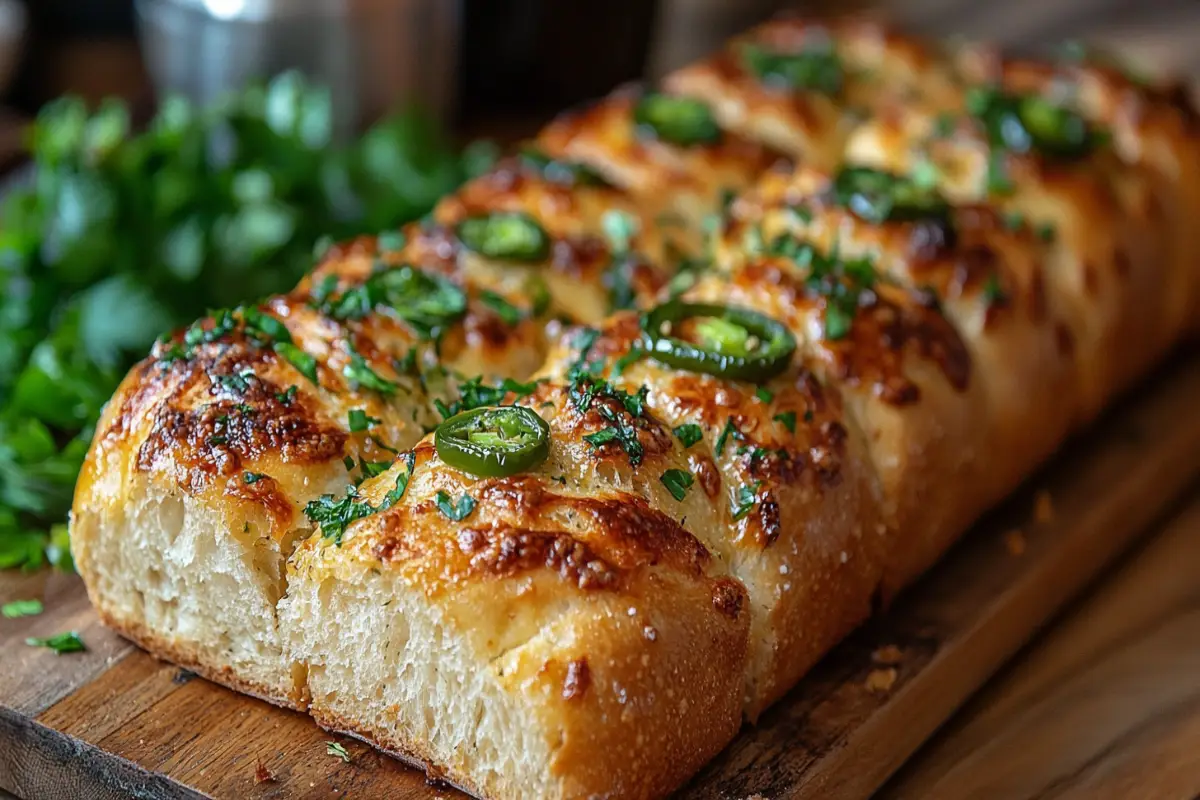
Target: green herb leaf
21,608
476,393
334,515
677,482
360,374
787,419
60,643
993,292
764,394
745,499
837,322
358,421
509,314
302,361
457,510
688,434
288,395
252,477
816,67
337,750
730,430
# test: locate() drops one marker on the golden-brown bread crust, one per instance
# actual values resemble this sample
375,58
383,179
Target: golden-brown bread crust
809,545
874,64
669,180
611,631
983,272
590,600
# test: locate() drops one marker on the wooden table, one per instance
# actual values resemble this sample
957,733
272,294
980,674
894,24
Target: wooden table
1106,704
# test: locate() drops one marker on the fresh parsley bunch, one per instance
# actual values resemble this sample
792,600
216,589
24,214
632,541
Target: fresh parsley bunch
120,236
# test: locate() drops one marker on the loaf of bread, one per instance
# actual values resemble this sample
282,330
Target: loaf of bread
778,332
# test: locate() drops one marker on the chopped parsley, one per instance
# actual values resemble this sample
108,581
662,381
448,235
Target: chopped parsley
337,750
264,326
360,374
372,468
334,515
457,510
730,430
359,421
476,393
996,180
688,434
302,361
620,426
252,477
21,608
427,303
556,171
744,500
764,394
288,395
817,67
993,292
509,314
1030,123
677,482
838,321
620,228
60,643
787,419
237,384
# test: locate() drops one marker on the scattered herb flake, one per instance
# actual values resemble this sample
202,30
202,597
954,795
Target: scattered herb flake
730,430
60,643
337,750
688,434
359,421
787,419
745,499
21,608
509,314
302,361
457,510
677,482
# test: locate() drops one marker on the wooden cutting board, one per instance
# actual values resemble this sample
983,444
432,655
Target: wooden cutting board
114,722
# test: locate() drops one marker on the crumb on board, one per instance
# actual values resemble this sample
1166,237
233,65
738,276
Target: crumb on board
262,774
1014,542
889,654
1043,507
881,680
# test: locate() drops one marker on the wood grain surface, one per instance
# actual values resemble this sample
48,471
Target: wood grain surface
1104,705
113,722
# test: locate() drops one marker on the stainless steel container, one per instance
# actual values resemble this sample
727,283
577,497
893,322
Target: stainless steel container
373,54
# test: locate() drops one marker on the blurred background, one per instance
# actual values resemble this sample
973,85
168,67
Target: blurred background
159,158
474,60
